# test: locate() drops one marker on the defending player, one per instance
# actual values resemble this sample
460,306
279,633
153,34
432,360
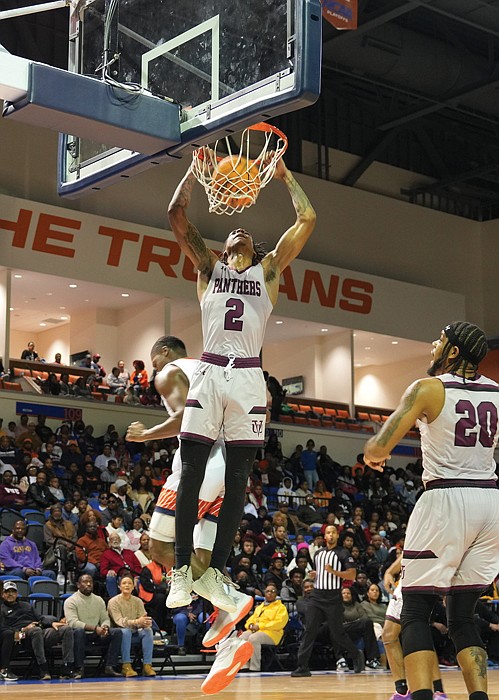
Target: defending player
174,371
391,638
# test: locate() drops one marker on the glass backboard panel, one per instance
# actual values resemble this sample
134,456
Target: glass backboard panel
226,64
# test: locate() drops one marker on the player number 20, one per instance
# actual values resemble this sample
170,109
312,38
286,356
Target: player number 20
483,416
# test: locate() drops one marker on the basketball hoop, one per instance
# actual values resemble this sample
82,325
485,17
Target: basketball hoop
232,182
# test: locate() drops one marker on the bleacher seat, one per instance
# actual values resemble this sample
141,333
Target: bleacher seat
22,585
34,532
34,516
8,518
11,386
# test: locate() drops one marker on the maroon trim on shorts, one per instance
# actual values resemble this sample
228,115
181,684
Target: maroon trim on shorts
222,361
244,443
415,554
192,403
260,410
436,590
197,438
461,484
392,619
444,590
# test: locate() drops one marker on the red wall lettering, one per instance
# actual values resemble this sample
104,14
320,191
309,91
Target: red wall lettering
118,237
360,301
166,262
313,278
19,227
44,232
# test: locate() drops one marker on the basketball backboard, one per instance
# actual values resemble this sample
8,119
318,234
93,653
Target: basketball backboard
226,66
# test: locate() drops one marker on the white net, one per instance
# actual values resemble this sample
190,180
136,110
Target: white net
233,178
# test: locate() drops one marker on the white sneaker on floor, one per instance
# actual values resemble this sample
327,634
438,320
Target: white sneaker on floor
341,665
231,655
180,588
223,622
211,587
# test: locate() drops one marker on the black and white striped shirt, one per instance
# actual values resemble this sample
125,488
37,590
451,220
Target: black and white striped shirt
339,559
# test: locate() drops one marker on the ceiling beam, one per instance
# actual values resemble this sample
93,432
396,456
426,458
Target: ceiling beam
437,105
358,170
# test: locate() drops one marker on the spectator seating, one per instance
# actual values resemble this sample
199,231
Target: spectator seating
22,585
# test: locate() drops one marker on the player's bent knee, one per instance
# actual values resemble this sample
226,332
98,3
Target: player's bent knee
391,632
162,552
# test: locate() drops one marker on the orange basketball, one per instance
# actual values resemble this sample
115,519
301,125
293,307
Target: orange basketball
236,181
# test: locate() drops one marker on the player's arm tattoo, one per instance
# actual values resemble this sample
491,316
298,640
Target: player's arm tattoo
390,428
480,658
183,194
300,200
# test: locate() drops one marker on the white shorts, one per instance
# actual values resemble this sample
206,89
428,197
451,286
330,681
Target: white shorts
235,407
452,541
162,526
394,609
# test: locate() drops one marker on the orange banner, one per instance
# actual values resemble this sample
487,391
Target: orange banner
342,14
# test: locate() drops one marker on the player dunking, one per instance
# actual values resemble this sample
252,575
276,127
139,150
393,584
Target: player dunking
227,392
452,542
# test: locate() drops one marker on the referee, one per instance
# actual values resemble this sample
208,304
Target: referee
332,565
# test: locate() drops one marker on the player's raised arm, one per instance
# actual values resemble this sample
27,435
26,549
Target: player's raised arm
293,240
187,235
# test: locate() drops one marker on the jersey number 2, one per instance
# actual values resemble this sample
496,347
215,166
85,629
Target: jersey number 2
484,416
233,315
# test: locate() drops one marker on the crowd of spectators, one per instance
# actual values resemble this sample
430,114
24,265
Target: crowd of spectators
97,493
133,388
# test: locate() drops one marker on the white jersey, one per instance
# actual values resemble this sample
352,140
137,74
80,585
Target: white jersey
460,442
235,308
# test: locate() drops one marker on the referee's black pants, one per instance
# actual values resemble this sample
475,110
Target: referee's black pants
325,606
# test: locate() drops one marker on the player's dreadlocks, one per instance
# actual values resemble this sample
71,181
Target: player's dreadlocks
472,345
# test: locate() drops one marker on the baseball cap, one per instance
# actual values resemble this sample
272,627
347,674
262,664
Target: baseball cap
9,585
120,482
278,555
409,483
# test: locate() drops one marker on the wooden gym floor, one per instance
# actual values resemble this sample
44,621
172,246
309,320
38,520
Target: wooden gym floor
375,685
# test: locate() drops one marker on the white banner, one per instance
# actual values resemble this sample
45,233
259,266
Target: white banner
81,246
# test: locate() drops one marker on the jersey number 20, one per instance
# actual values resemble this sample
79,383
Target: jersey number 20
483,416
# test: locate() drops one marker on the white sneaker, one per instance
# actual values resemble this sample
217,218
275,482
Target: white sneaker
231,655
341,665
180,588
211,587
223,622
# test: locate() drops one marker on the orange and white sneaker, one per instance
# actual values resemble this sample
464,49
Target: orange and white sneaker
223,622
232,654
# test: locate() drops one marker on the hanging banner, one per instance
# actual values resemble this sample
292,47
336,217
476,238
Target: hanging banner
342,14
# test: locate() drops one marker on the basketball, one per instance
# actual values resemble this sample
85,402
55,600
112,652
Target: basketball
236,181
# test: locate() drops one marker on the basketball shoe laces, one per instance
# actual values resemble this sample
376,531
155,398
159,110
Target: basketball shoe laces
229,366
